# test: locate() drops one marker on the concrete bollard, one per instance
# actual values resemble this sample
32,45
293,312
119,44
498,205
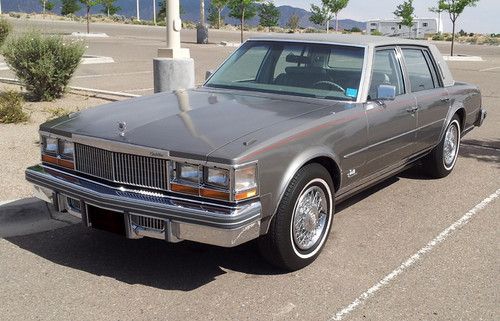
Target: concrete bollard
173,74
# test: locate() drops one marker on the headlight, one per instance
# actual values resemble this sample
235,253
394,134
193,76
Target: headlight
58,151
188,172
67,149
245,185
50,145
218,177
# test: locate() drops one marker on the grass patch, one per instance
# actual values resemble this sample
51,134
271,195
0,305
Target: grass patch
57,112
11,108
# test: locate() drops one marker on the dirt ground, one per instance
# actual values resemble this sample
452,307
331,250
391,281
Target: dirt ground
19,143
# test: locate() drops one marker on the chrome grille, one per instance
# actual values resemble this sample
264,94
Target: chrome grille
94,161
140,171
148,222
122,168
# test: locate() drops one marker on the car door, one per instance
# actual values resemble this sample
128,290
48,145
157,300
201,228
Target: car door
391,123
433,100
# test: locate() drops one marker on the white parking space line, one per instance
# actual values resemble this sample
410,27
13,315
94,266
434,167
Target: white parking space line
489,69
113,75
139,90
344,312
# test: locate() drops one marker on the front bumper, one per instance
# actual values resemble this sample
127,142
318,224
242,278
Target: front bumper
148,214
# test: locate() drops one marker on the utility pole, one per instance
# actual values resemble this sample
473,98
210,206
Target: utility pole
0,6
174,68
137,9
154,12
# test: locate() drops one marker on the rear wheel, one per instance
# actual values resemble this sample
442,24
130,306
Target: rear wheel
441,161
302,222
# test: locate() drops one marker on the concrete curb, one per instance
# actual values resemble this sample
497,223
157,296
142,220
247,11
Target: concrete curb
94,60
80,89
463,58
89,35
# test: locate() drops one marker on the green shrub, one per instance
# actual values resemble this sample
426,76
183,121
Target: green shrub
438,37
11,108
44,64
376,33
5,29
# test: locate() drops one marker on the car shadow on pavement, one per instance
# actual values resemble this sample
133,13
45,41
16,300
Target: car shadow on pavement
482,150
184,266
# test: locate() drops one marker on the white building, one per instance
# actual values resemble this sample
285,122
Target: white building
393,28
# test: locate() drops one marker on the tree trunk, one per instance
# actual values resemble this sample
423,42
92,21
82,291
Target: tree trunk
327,26
453,37
108,11
336,22
88,19
218,17
242,22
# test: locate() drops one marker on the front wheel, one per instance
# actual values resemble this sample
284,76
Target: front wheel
441,161
302,222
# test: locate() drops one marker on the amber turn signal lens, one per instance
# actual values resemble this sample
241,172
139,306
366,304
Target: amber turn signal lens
215,194
246,194
57,161
184,189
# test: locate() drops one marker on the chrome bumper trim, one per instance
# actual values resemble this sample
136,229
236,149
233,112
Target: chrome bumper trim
184,219
482,116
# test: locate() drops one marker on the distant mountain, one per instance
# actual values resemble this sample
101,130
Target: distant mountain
190,8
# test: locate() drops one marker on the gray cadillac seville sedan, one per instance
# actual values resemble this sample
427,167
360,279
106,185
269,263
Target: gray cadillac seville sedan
283,130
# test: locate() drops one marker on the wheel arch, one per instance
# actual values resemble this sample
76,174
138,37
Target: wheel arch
320,155
458,110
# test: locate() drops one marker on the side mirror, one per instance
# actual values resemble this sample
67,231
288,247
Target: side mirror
386,92
208,74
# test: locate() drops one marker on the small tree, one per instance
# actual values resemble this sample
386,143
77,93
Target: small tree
321,15
293,22
109,7
243,9
219,5
335,6
69,7
405,11
269,15
46,5
162,12
454,8
88,5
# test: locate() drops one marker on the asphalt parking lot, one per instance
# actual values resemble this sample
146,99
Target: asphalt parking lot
409,248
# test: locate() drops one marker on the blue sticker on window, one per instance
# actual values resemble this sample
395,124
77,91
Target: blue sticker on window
351,92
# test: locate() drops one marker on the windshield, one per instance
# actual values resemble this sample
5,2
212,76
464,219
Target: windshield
302,69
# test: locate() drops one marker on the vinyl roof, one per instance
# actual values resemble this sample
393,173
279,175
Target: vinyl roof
348,39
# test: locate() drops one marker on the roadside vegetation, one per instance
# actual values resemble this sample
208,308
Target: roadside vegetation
43,64
5,30
11,108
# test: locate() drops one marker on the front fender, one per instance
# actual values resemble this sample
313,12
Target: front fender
298,161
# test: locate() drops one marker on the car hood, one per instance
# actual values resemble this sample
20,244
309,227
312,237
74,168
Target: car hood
190,123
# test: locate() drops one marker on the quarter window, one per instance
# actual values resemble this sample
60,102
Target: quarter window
418,70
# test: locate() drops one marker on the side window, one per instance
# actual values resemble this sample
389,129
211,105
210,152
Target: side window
418,70
386,71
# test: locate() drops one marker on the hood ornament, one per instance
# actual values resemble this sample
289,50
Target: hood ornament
122,127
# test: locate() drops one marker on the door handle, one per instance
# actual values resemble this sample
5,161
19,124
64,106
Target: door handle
412,110
445,99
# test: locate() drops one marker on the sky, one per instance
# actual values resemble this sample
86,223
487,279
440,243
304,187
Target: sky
484,18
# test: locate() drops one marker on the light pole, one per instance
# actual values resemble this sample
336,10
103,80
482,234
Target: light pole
154,12
0,6
137,10
174,68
